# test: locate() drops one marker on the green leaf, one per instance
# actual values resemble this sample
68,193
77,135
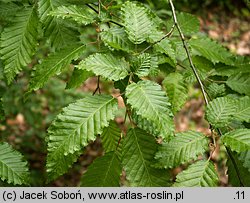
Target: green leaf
137,21
238,140
105,171
215,90
176,90
199,174
166,47
147,125
8,10
189,24
150,102
110,137
54,65
245,158
243,109
79,14
240,82
210,50
143,64
12,166
117,38
75,127
80,122
241,171
19,42
138,149
106,65
220,111
78,77
57,163
58,33
182,148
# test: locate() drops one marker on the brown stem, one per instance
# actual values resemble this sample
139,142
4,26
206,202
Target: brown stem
98,86
187,52
165,36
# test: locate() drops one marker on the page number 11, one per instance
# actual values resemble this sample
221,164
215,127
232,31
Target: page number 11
240,195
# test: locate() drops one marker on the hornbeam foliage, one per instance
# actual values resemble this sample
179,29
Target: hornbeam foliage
54,64
144,82
57,32
200,174
104,172
238,140
137,21
182,148
138,149
241,171
176,90
240,83
80,122
108,66
78,14
13,168
116,38
220,111
150,102
19,41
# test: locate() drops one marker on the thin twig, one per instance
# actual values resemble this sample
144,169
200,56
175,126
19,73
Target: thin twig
98,86
96,11
165,36
187,52
99,7
92,8
201,85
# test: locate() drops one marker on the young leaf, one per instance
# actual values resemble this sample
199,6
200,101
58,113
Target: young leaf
106,65
150,102
220,111
117,38
185,146
142,64
137,21
211,50
19,42
240,82
233,174
176,90
199,174
12,166
138,149
110,137
243,109
55,30
54,64
78,77
216,90
81,15
105,171
238,140
189,24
